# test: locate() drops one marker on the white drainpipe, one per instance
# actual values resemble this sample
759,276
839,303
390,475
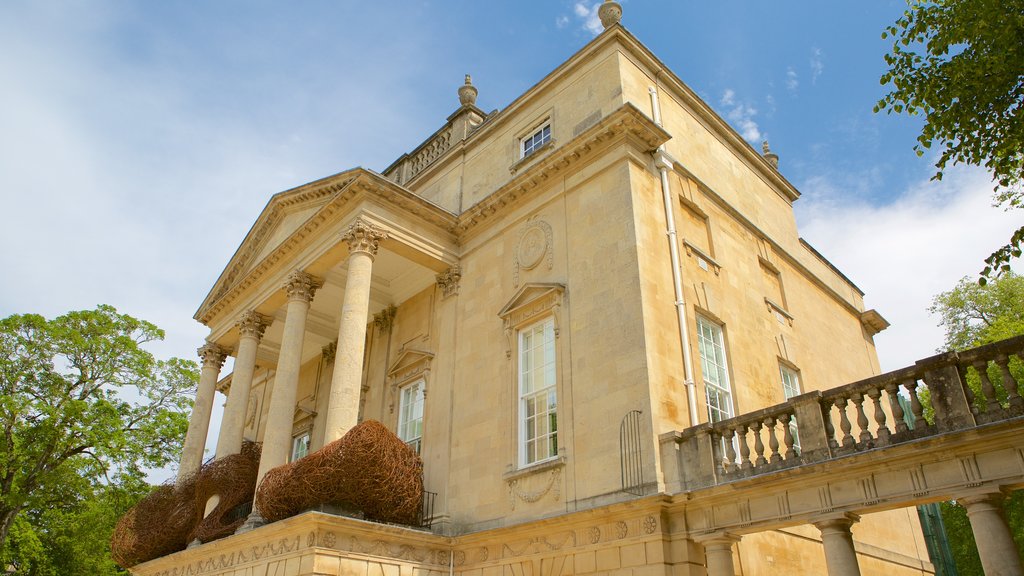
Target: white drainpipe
664,164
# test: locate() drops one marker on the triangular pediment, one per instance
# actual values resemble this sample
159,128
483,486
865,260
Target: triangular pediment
532,295
410,362
285,213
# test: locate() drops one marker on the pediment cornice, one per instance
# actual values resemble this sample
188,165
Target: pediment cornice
335,194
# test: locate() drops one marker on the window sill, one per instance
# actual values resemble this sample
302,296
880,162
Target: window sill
703,259
546,465
537,153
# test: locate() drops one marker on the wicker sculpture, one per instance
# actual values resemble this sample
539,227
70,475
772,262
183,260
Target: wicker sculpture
172,515
369,470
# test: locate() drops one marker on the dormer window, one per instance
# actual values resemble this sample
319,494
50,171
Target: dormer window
536,140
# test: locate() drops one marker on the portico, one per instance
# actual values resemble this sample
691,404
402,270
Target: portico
354,260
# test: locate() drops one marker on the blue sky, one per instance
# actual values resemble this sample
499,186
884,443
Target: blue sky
140,140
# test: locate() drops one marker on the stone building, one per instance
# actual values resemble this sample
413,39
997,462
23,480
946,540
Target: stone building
532,298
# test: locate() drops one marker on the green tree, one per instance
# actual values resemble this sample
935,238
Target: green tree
960,63
84,409
973,315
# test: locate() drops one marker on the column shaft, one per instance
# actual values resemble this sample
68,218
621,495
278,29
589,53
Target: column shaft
999,556
343,407
199,423
837,539
232,427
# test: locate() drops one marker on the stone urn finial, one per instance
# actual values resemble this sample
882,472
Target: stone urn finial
770,156
610,13
468,92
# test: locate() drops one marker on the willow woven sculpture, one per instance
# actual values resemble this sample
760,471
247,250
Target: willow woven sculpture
369,470
172,515
233,480
158,525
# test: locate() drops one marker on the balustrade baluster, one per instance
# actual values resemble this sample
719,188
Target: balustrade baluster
962,370
745,463
830,429
730,450
883,431
915,403
773,441
1009,383
893,392
862,418
844,422
758,445
991,403
787,435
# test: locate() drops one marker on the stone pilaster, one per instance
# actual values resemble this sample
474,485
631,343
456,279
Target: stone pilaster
837,539
363,240
250,329
999,556
277,438
213,357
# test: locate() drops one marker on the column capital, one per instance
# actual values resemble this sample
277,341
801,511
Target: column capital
362,236
449,280
252,323
329,351
212,355
839,520
301,285
989,496
717,539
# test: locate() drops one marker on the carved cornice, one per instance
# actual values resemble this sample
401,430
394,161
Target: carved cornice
253,324
212,355
363,236
448,281
628,122
302,286
233,283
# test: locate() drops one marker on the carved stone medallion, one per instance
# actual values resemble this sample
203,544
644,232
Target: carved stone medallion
534,245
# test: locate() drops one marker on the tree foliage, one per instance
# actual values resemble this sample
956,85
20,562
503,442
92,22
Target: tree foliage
84,410
960,63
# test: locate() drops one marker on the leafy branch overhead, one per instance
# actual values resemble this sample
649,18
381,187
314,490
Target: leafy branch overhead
82,403
960,63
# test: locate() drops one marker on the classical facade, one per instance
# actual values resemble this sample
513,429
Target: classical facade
535,299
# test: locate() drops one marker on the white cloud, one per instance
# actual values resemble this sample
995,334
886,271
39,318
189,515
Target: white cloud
817,64
587,14
904,253
561,22
741,116
792,81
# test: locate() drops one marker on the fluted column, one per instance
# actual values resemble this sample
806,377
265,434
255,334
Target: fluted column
277,437
250,328
195,439
363,239
718,551
837,539
999,556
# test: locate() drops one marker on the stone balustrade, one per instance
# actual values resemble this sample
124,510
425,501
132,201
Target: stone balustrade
945,393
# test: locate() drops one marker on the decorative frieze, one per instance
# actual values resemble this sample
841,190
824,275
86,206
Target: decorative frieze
362,236
534,247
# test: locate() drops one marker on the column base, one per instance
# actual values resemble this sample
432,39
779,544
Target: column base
253,522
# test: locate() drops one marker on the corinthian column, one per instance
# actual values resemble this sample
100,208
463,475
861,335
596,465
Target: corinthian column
277,438
363,239
250,328
199,424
